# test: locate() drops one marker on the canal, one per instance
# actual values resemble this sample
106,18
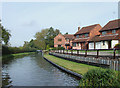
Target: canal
33,70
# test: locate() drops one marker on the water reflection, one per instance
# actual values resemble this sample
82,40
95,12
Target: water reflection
35,71
6,80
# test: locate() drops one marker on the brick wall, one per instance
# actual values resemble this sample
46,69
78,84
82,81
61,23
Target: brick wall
62,42
95,31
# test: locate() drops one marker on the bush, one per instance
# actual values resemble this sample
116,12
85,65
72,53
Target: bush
60,48
57,48
13,50
100,78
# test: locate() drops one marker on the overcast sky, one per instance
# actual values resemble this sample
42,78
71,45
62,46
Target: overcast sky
24,19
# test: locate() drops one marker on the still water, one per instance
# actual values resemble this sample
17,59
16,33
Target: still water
33,70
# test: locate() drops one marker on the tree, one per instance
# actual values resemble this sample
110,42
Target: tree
5,35
45,38
41,38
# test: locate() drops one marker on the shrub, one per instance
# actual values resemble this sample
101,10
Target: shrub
99,78
60,48
13,50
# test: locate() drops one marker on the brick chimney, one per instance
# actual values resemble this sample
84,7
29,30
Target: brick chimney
78,28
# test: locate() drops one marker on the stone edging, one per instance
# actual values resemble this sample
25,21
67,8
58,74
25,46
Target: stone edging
66,70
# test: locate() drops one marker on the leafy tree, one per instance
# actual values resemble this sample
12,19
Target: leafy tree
45,38
5,35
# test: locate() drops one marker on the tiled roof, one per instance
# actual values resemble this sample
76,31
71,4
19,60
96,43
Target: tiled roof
69,36
86,29
101,38
80,40
111,25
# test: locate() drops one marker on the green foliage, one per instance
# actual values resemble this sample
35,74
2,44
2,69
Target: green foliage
5,35
13,50
58,48
99,78
48,47
45,38
117,46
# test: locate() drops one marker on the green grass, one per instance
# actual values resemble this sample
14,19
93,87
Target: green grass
18,54
73,66
9,57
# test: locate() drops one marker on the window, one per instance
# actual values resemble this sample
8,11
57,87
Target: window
86,35
104,32
113,31
77,36
59,39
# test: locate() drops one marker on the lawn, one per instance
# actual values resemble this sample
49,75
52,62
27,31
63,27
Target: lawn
73,66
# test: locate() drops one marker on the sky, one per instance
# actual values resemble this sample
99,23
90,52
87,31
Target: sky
24,19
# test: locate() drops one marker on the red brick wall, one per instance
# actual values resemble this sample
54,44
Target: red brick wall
95,31
56,42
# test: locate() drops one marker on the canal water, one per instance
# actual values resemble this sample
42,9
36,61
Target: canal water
33,70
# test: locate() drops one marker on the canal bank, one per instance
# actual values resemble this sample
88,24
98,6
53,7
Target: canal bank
6,58
73,67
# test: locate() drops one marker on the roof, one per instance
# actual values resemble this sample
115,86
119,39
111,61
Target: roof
69,36
80,40
114,24
102,38
86,29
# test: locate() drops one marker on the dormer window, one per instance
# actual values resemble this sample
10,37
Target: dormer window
77,36
86,35
113,31
104,32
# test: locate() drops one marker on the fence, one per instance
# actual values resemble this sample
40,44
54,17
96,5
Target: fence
109,57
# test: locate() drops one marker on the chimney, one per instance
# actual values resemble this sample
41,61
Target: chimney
78,28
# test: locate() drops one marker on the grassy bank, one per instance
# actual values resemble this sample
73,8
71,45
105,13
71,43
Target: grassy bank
8,57
18,54
73,66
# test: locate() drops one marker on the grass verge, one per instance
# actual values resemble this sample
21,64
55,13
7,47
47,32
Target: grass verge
6,58
18,54
73,66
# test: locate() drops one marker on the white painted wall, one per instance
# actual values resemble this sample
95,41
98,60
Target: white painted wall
91,45
114,42
104,46
98,45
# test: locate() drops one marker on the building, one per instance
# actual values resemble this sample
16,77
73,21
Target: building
82,36
108,37
63,40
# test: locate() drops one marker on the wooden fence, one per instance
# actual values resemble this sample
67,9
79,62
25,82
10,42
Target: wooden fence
109,57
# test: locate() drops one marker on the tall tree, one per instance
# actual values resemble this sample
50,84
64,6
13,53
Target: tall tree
5,35
45,38
41,38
